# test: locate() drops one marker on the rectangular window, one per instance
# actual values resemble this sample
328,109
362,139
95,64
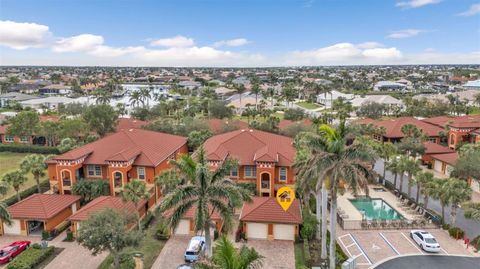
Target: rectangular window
433,140
141,173
94,170
24,139
234,172
9,138
250,171
282,174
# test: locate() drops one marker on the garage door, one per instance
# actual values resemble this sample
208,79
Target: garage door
438,166
283,232
183,227
12,229
257,230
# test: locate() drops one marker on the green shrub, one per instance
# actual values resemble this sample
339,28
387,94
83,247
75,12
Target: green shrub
309,227
28,149
307,256
69,237
476,242
147,220
31,257
127,261
45,235
36,245
44,185
162,231
453,232
446,226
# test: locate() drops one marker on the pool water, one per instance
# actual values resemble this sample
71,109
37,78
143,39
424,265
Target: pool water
376,209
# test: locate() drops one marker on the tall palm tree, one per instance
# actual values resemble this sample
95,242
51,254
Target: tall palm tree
386,151
472,211
393,166
439,192
338,160
424,181
240,89
401,169
412,168
103,96
15,179
256,90
35,164
135,98
458,192
134,191
145,96
227,256
207,191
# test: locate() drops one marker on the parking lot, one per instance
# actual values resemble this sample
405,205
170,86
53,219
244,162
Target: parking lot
372,247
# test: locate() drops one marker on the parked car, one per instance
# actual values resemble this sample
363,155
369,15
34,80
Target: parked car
185,266
425,240
195,249
11,251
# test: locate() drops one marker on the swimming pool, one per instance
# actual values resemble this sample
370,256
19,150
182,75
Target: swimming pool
376,209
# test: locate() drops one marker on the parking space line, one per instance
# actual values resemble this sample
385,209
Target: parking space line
361,249
352,244
388,243
346,248
444,251
408,239
355,243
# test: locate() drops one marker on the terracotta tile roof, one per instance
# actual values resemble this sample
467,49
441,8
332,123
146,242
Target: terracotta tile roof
150,148
190,214
449,158
393,127
467,121
267,209
104,202
127,124
249,145
41,206
434,148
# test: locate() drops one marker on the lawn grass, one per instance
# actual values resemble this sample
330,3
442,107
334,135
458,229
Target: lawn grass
475,111
307,105
10,161
299,258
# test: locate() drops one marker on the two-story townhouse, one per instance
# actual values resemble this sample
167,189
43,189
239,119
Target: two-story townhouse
462,129
118,158
264,158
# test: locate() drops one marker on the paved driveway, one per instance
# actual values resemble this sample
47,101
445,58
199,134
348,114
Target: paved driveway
171,255
431,262
278,254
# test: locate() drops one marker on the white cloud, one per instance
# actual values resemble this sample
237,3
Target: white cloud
369,45
344,53
405,33
83,42
23,35
416,3
107,51
472,11
173,42
231,42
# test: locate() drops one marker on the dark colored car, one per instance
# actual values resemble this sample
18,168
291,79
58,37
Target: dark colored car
11,251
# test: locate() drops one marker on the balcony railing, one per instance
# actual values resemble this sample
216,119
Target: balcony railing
117,183
265,184
67,182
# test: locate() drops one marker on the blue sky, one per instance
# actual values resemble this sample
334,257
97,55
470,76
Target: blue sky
238,32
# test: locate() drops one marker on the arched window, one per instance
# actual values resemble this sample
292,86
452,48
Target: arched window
66,178
117,179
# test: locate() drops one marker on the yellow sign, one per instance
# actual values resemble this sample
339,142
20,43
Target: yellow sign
285,197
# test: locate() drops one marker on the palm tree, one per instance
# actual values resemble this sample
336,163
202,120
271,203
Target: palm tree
227,256
35,164
256,90
135,98
472,211
134,191
145,96
15,179
424,181
439,192
240,89
103,96
4,214
386,151
393,166
412,168
458,192
401,169
206,191
340,161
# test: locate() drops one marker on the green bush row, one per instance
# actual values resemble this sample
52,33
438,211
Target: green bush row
307,256
453,232
44,185
28,149
476,242
31,257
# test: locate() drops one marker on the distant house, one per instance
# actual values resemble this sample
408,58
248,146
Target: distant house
52,102
56,89
432,149
444,163
129,123
387,100
264,218
40,212
12,97
472,85
189,84
32,139
462,129
328,98
389,86
265,159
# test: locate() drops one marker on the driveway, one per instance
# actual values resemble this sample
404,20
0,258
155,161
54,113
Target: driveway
278,254
171,255
431,262
73,256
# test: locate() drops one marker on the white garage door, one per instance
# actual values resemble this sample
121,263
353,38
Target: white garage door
12,229
283,232
437,166
257,230
183,227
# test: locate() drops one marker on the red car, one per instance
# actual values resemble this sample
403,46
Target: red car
11,251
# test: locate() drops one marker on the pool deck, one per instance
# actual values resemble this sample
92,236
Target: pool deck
355,216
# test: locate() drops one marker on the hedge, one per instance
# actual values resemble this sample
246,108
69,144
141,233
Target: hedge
29,149
31,257
453,231
44,185
307,256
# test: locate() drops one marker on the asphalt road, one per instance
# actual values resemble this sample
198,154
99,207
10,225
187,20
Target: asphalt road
471,227
431,262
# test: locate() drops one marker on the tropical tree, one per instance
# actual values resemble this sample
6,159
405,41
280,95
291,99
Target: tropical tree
393,166
167,181
256,90
35,164
458,192
227,256
339,161
101,118
145,96
134,191
386,151
206,191
4,214
412,168
103,97
439,192
24,123
240,89
91,189
135,98
16,179
107,230
472,211
424,181
401,169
